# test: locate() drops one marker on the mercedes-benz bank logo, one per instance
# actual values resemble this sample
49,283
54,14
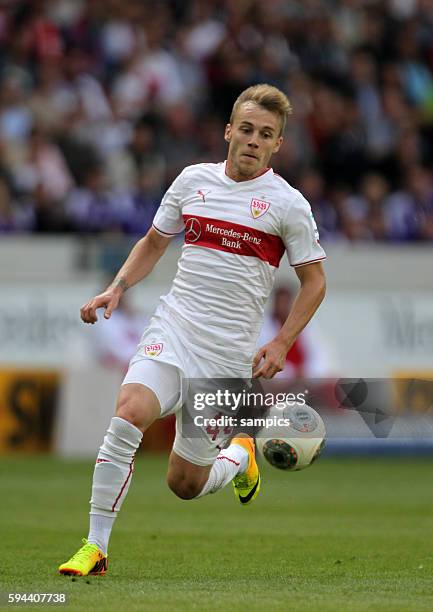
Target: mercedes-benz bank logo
192,230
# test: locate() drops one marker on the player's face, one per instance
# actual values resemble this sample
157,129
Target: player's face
253,137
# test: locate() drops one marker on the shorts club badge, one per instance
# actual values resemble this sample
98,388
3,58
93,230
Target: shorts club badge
153,350
259,207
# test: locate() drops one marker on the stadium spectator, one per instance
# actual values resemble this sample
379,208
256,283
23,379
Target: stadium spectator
41,163
369,206
91,207
126,164
142,201
409,212
312,185
13,216
15,117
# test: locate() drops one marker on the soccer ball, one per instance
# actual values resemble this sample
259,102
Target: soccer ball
292,438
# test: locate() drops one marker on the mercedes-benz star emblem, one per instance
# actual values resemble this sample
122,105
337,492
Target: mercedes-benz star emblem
192,230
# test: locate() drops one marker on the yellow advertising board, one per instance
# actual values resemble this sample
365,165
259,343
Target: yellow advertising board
28,405
413,389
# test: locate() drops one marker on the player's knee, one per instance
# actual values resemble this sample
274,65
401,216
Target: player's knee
183,487
131,408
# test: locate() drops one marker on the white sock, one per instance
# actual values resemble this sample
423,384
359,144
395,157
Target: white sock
112,478
230,462
100,531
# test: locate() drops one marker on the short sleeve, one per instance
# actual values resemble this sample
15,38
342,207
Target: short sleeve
300,234
168,219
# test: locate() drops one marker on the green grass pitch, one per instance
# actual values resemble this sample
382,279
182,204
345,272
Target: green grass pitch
346,534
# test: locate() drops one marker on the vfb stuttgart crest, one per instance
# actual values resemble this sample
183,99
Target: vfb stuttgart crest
259,207
153,350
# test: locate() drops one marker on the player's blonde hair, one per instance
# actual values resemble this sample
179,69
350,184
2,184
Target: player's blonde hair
268,97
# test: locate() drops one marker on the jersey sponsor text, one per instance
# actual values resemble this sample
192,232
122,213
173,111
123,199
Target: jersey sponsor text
234,238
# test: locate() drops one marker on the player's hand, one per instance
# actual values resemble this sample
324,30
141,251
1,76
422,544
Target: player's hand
108,300
273,355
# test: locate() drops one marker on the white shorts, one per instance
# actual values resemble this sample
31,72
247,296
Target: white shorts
164,365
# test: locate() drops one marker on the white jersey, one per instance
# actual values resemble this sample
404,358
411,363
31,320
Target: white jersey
235,236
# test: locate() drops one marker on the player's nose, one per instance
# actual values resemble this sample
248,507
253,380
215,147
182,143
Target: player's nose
253,141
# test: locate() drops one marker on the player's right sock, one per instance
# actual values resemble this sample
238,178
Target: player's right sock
111,478
229,462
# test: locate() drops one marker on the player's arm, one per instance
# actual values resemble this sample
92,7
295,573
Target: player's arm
140,262
307,301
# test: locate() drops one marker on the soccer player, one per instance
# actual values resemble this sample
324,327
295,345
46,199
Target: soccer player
239,218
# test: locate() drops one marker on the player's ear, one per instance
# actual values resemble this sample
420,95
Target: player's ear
278,145
228,133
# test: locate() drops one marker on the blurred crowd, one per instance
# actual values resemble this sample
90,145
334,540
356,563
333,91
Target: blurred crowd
103,102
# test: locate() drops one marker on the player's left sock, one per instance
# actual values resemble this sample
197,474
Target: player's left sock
230,462
100,531
111,478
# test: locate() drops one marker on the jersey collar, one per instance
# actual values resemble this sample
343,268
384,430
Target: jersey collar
258,179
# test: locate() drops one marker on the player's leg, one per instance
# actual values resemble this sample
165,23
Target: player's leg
150,390
196,468
196,447
184,478
236,464
137,408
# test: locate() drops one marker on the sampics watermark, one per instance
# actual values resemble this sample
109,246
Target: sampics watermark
231,422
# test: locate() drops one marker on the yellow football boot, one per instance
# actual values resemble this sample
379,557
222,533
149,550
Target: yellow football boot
247,485
89,560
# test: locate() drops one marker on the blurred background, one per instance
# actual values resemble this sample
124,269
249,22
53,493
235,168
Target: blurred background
102,103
